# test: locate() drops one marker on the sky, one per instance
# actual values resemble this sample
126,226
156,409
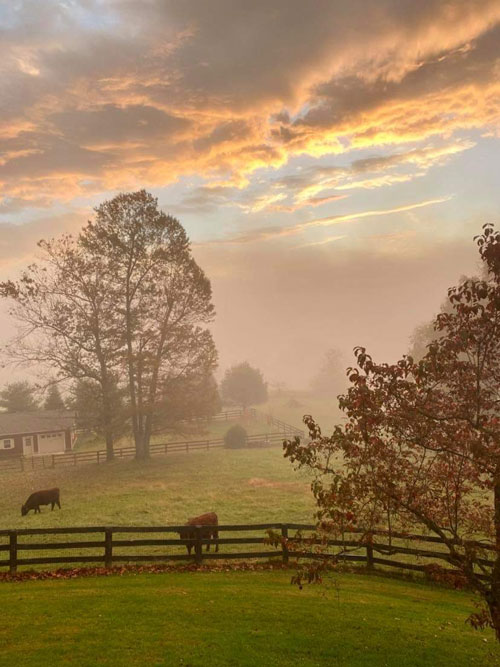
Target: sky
331,160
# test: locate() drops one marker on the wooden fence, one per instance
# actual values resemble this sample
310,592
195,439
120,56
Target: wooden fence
120,544
24,464
252,413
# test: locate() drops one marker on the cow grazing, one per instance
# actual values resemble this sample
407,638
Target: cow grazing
47,497
209,529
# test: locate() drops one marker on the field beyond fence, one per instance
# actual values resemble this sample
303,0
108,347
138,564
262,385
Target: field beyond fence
22,463
107,546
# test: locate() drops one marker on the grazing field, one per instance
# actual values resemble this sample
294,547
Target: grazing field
292,406
201,430
242,486
237,619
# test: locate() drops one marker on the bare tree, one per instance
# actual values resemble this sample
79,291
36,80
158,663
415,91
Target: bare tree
62,306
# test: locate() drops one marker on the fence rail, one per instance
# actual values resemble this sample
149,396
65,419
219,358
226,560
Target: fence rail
116,541
251,413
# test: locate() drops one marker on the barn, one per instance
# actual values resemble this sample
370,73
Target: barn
36,433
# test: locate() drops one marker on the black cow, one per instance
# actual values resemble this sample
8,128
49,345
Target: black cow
47,497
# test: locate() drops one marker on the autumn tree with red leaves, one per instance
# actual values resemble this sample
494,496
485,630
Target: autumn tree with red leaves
420,448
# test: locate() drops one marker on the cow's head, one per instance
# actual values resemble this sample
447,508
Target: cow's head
24,510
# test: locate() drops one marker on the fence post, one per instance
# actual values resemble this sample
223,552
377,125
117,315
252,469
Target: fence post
208,444
166,448
98,456
22,464
198,550
13,552
108,547
284,536
369,551
53,460
187,446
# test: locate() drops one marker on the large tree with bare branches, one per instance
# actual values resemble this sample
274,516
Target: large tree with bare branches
66,322
160,296
122,304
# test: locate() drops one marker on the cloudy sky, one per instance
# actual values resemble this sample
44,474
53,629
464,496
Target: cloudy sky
331,160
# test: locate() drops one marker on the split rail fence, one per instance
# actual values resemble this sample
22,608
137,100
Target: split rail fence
22,464
106,546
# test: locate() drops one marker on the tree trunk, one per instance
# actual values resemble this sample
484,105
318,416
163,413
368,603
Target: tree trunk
494,609
110,453
131,369
139,447
148,427
493,598
107,414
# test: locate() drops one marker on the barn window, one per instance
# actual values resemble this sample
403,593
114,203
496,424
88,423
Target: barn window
7,444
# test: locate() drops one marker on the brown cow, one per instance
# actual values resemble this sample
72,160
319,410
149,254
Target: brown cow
47,497
208,522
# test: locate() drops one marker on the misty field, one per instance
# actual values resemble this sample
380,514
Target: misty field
242,486
237,618
203,430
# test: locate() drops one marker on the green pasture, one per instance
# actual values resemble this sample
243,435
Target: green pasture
242,486
237,619
200,430
246,486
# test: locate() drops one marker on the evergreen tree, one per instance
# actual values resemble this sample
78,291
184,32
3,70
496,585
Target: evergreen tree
53,400
18,397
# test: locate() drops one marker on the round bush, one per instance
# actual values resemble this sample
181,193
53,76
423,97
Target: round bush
236,437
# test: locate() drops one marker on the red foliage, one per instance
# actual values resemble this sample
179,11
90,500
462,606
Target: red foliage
420,448
121,570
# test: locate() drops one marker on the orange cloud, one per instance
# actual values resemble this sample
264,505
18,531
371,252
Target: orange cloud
172,89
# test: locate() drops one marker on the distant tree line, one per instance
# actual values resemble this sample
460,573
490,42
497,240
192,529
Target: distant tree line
21,397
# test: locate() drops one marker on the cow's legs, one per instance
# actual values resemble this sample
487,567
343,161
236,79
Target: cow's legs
37,510
58,504
52,506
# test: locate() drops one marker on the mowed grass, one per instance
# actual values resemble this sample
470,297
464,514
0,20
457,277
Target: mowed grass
242,486
237,619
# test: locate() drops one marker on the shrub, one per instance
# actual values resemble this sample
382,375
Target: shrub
236,437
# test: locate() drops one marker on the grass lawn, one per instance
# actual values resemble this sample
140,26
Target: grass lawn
237,618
